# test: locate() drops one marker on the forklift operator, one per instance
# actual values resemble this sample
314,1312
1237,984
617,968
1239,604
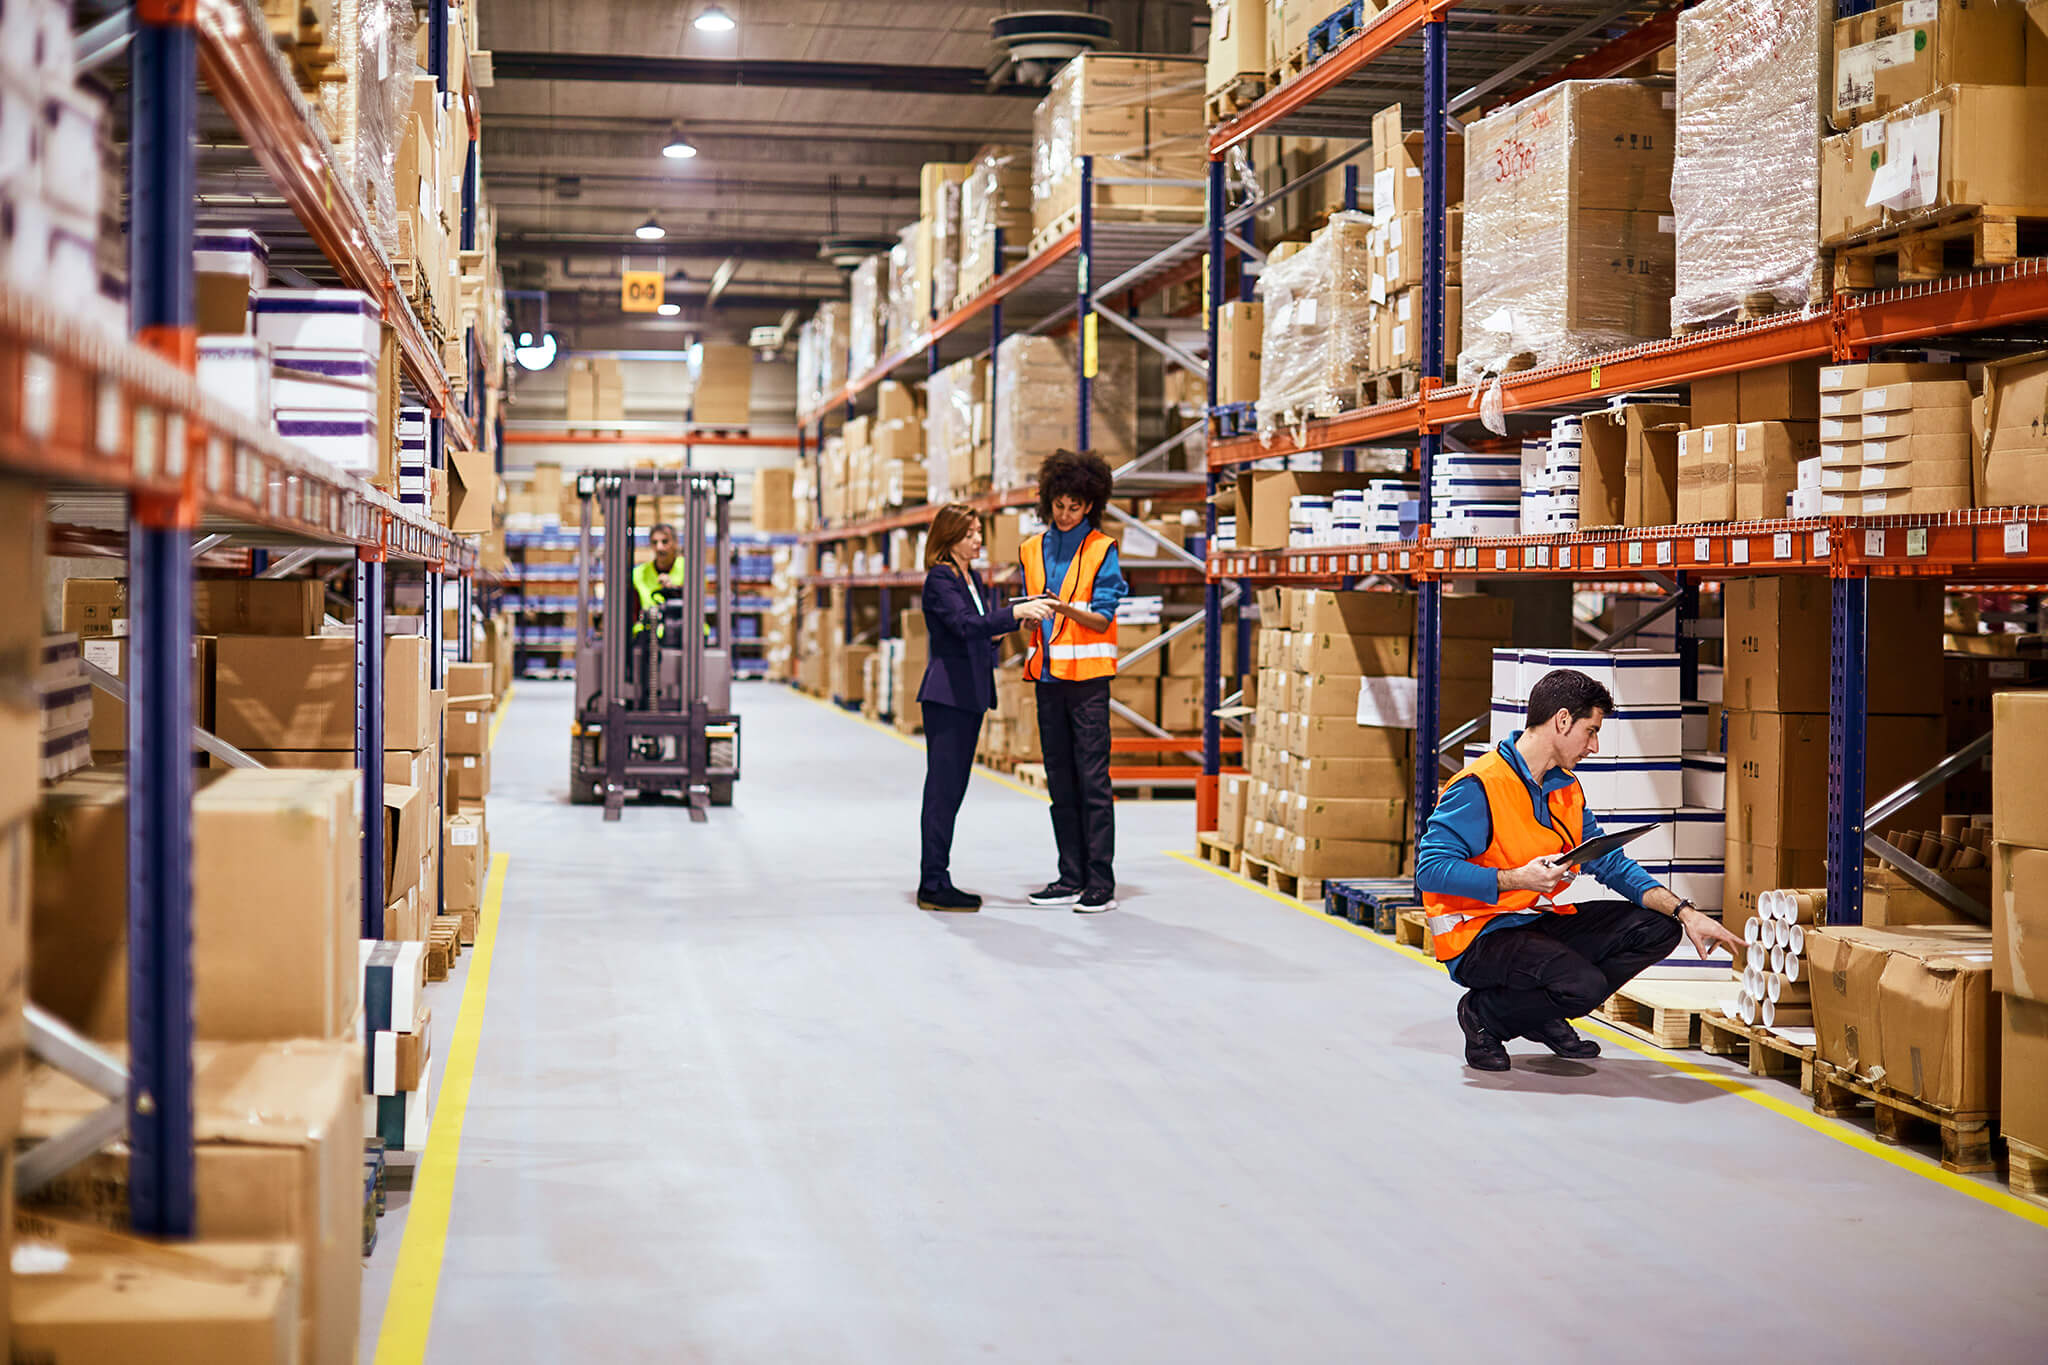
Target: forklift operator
655,580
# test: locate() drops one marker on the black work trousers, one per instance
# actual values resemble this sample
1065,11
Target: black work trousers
950,735
1073,729
1561,966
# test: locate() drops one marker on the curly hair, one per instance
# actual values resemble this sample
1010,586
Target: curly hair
1081,475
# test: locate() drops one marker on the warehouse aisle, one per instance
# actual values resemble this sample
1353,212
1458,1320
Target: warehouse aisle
737,1100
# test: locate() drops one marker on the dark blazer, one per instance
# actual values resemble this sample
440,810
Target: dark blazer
962,671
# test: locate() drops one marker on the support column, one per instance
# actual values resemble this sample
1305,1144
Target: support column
1848,720
1083,287
369,587
163,99
1206,789
1428,617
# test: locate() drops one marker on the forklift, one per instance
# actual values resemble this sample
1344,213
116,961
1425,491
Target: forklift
653,689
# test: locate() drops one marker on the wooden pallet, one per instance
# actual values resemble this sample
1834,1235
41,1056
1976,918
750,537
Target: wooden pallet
1233,97
1389,386
2026,1171
1965,1138
1412,928
1307,890
1127,789
1766,1053
1291,66
1219,854
1952,243
1666,1013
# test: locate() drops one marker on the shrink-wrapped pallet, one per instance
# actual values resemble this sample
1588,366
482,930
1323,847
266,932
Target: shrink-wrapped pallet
1037,404
995,195
1317,339
821,355
1568,228
1140,119
955,425
868,319
906,309
1745,186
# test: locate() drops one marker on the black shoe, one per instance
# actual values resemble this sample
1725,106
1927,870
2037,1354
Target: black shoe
1483,1051
1055,894
947,898
1095,902
1565,1041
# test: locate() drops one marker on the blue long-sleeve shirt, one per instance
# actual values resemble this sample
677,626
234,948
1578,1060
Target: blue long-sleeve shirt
1461,828
1110,587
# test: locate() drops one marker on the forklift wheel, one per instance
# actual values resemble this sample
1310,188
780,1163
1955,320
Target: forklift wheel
721,793
583,792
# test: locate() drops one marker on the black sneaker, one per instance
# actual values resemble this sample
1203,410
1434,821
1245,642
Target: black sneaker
1565,1041
950,898
1483,1051
1095,902
1055,894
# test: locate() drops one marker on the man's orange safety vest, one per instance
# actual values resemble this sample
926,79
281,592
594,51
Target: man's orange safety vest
1077,654
1518,838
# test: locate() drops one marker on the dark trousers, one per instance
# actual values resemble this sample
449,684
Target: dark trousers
950,733
1561,966
1073,729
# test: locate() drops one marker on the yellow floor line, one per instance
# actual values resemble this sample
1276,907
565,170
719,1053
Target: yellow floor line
1777,1104
504,704
917,743
409,1312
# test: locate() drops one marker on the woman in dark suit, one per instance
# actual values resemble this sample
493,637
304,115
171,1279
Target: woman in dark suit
959,688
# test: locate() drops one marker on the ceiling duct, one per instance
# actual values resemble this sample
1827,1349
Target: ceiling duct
1034,44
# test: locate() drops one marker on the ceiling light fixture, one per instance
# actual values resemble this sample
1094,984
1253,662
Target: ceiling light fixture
677,147
714,20
532,354
651,230
670,310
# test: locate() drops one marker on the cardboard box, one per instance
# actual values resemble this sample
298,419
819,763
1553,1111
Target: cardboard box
465,860
276,904
1343,737
1629,464
1382,819
466,724
1320,777
258,606
1705,475
278,1156
1308,856
2023,1072
109,728
2019,755
1895,54
1775,645
1975,162
100,1298
95,607
1240,329
1231,791
1778,773
2014,432
469,777
1237,43
1890,901
774,506
1767,456
1263,499
1318,611
1751,869
472,492
1910,1008
271,692
2019,921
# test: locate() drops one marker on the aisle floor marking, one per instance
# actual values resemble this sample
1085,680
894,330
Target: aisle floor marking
504,705
409,1312
917,742
1848,1136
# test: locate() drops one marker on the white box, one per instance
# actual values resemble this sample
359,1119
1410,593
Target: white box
1703,884
324,381
1506,720
232,251
21,142
1711,682
1643,732
1507,675
316,319
72,271
1705,781
343,441
1697,735
1809,472
1807,502
1701,836
71,149
236,371
1632,783
1656,846
26,31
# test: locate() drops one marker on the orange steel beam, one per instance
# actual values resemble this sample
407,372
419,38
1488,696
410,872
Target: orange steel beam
549,438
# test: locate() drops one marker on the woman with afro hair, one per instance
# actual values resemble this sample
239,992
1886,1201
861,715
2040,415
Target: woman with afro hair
1072,659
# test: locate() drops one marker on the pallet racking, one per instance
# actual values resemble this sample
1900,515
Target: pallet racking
1417,52
118,434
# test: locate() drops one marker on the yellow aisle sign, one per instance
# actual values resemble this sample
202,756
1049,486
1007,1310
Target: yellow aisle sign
640,291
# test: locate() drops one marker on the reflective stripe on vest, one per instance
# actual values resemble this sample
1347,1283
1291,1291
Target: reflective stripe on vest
1077,654
1518,838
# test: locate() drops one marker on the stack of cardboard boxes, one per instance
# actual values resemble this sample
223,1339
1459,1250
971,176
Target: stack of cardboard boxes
1037,403
722,388
1318,324
1397,234
1777,719
1747,435
1894,438
1140,119
882,457
995,201
959,444
2019,925
597,389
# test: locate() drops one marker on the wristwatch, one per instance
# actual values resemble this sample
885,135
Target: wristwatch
1682,907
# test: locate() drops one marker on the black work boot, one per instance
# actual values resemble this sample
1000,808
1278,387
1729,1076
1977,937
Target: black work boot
947,898
1483,1050
1565,1041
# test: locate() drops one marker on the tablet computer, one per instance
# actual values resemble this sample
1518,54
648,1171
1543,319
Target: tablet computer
1598,847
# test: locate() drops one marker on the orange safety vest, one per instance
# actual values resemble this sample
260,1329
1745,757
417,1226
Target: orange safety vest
1077,654
1518,838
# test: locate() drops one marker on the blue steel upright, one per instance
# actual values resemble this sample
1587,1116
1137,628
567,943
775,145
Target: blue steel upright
1212,600
369,590
437,43
1428,614
1848,717
163,99
1085,319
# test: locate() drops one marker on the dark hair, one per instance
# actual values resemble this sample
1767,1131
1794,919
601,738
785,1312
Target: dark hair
950,525
1567,689
1080,475
661,526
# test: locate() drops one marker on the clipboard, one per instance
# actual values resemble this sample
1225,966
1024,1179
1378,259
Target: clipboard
1598,847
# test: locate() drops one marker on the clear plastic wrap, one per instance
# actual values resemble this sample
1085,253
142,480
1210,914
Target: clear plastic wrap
1316,345
1745,187
810,370
995,194
1141,120
1569,247
944,266
954,402
1037,404
868,322
905,308
385,66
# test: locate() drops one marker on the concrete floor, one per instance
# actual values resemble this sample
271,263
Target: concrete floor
737,1100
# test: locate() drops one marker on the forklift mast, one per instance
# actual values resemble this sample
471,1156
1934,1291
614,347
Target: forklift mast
653,698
